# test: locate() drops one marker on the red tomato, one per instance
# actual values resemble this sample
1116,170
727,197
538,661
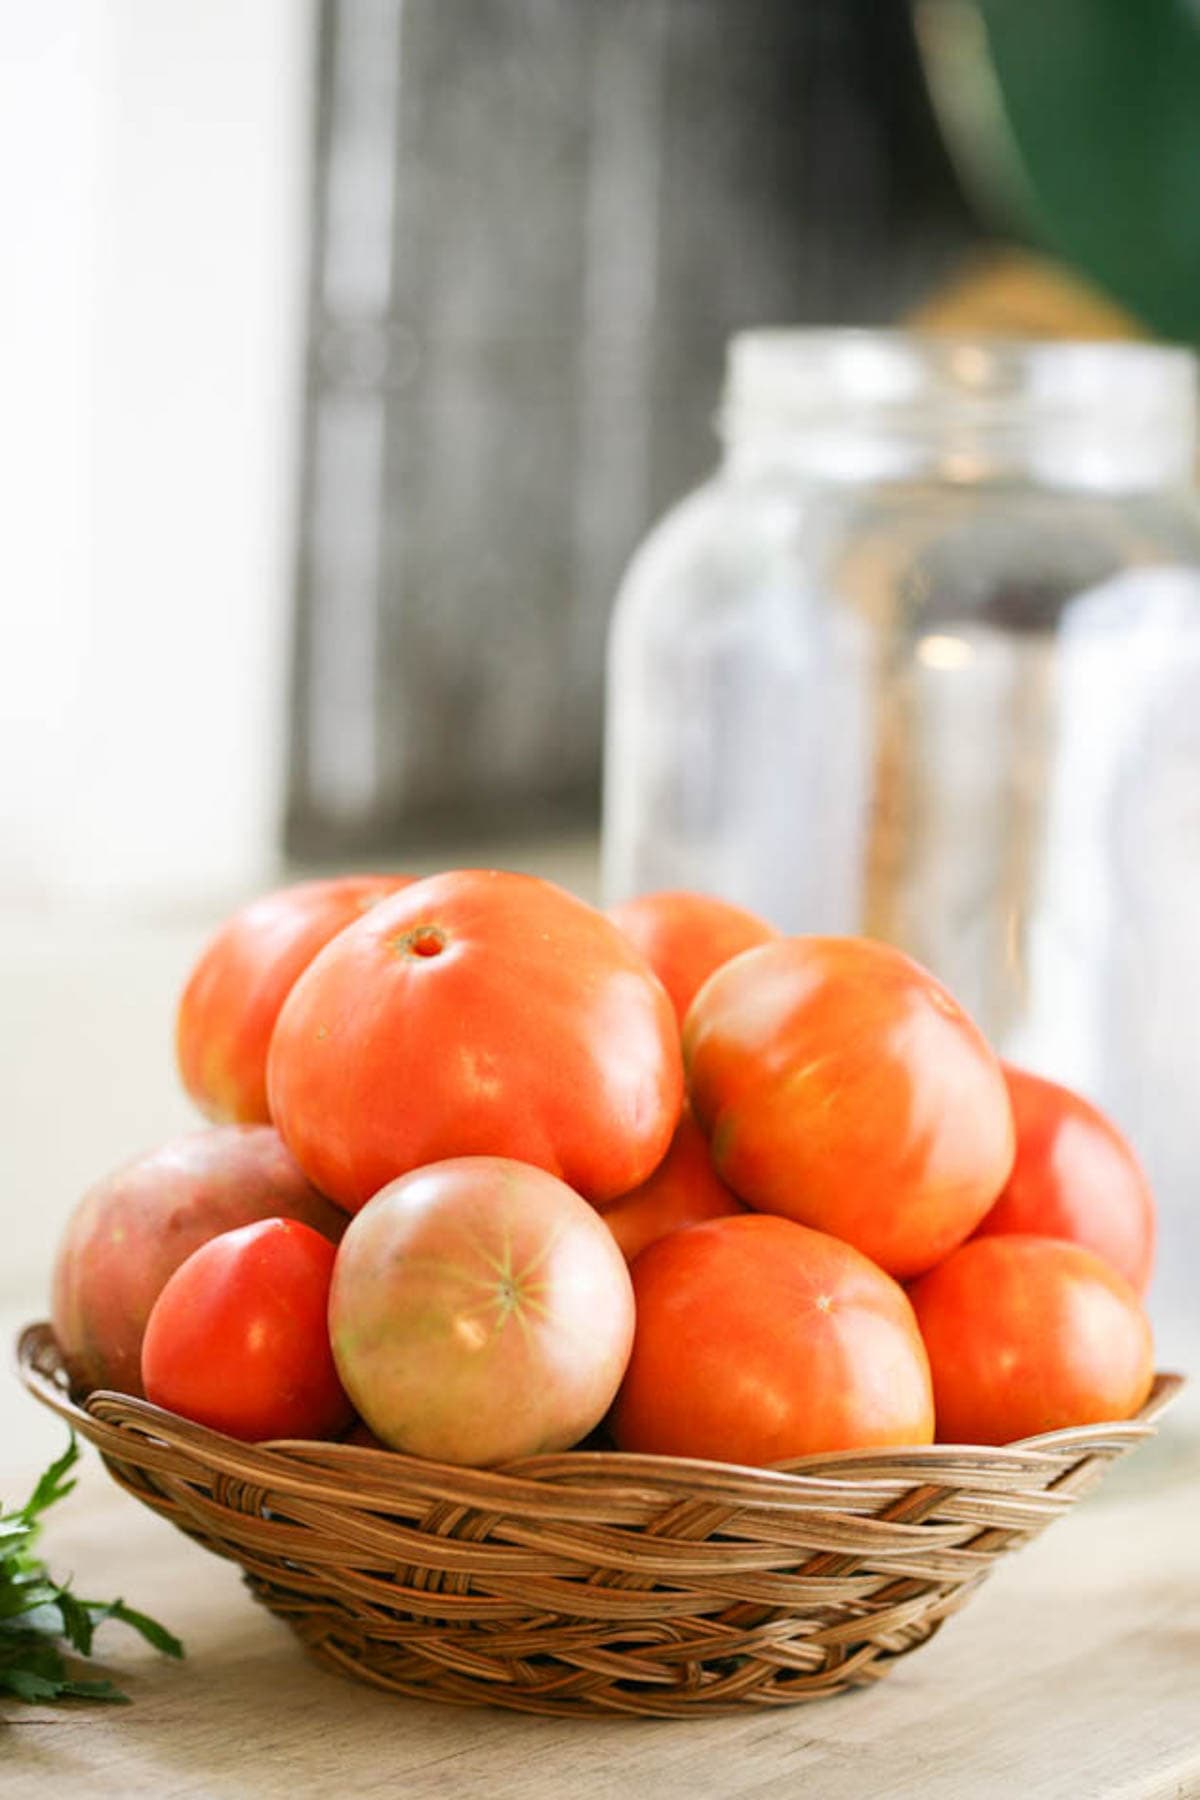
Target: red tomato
480,1311
684,937
228,1008
684,1190
1028,1334
131,1231
1075,1177
758,1341
238,1339
477,1013
843,1087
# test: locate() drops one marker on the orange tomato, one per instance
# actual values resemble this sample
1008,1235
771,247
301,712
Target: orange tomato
841,1086
233,995
478,1013
1030,1334
758,1340
1075,1177
684,1190
685,936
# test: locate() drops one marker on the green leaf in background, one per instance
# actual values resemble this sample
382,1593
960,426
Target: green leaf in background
37,1612
1081,120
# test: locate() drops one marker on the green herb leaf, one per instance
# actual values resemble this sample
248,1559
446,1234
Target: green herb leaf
52,1485
93,1690
28,1686
150,1629
38,1613
24,1594
77,1624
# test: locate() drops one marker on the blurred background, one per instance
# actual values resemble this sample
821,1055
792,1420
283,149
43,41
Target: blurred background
350,347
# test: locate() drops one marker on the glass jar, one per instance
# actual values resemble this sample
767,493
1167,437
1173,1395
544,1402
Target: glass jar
922,660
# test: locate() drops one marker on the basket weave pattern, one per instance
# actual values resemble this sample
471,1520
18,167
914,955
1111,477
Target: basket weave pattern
596,1581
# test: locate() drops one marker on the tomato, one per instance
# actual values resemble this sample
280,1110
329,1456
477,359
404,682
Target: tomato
238,1339
132,1230
684,937
1075,1177
758,1340
480,1311
477,1013
843,1087
683,1190
1028,1334
233,995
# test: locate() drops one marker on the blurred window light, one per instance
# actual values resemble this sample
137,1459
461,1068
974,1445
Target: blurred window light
939,651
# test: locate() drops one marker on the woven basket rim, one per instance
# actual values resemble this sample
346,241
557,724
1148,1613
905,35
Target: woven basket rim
40,1368
596,1582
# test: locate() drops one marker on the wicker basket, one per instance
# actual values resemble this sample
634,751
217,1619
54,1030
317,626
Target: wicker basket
592,1581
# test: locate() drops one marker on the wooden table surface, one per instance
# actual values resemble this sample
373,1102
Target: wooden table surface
1074,1675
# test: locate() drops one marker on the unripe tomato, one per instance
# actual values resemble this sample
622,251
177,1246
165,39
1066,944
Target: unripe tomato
685,937
758,1340
477,1013
229,1006
238,1338
1029,1334
1075,1177
841,1086
480,1311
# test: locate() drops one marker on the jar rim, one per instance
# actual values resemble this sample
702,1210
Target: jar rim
855,403
807,373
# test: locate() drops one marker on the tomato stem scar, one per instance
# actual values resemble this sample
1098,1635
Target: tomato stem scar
422,940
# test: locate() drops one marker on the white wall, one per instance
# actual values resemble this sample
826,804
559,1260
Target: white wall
153,200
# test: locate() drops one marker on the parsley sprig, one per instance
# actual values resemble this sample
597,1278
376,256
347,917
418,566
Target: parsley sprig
39,1617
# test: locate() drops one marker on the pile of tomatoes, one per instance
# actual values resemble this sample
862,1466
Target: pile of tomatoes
492,1171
